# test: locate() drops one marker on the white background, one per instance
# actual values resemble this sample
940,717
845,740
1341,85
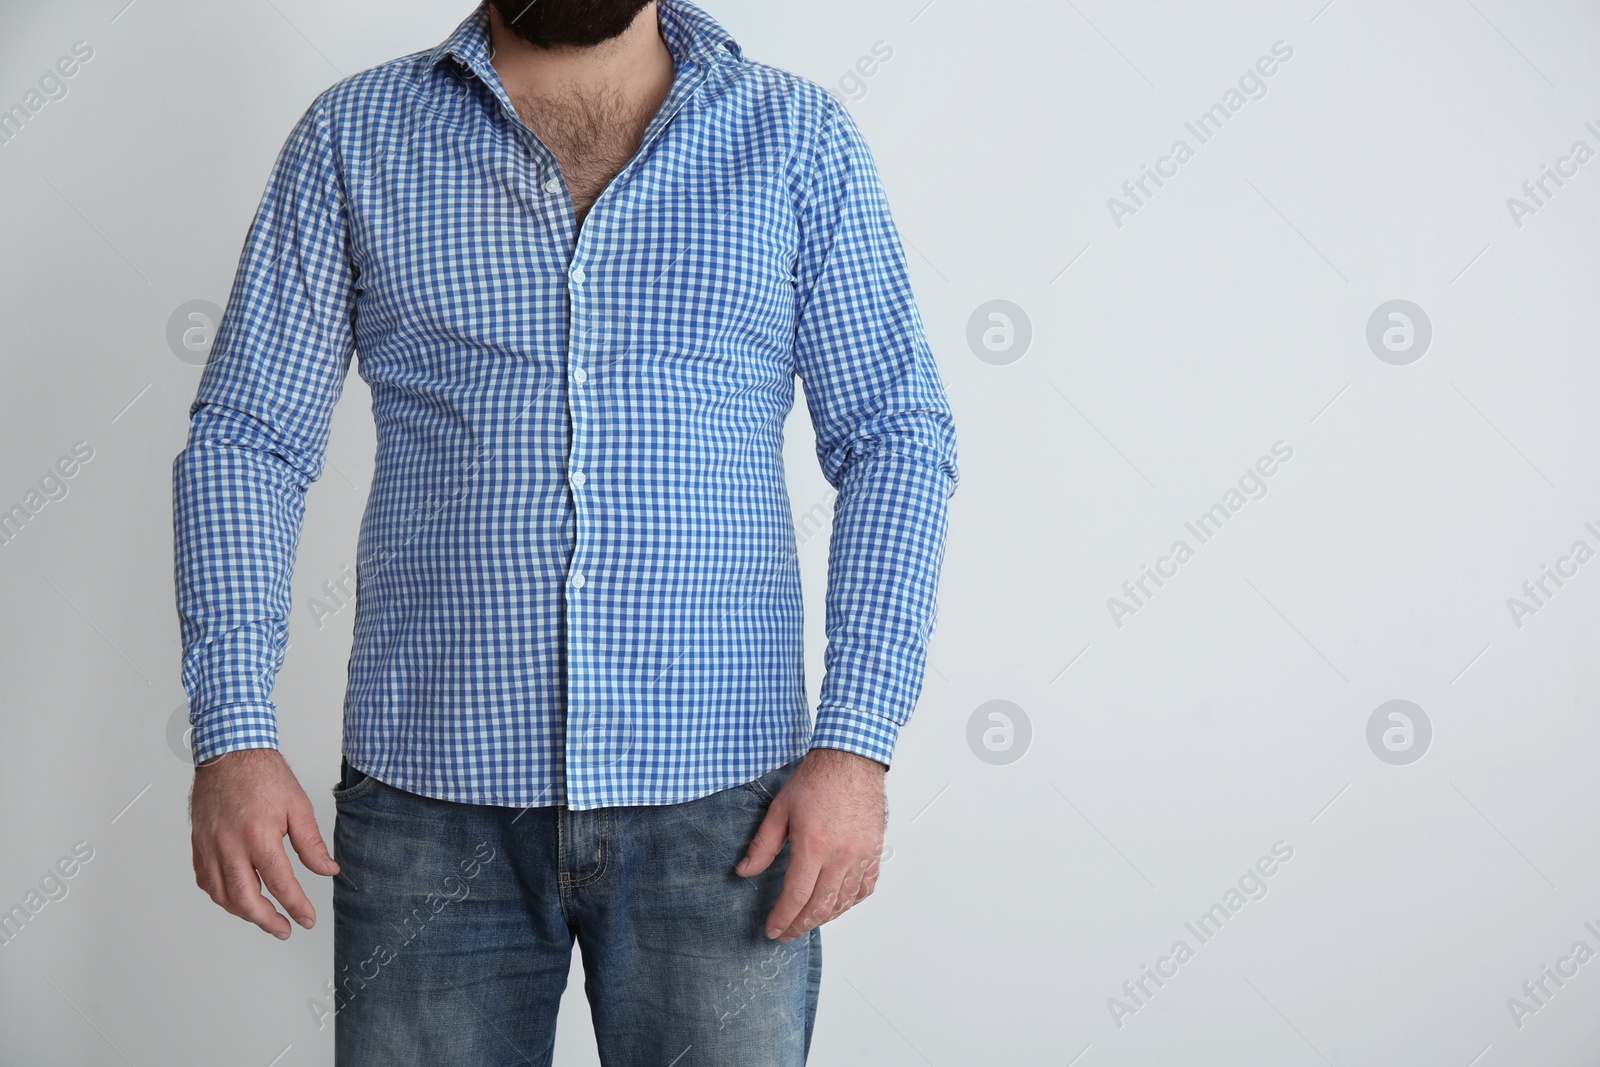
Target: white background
1167,754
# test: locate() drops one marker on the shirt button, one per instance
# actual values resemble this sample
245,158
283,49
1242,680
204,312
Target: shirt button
580,375
552,186
578,579
578,478
579,274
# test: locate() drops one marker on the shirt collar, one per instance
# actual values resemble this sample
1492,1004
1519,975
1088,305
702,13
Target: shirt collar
689,32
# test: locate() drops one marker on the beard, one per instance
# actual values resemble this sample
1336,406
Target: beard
579,23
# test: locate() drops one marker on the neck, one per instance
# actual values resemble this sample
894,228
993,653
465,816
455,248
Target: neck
635,58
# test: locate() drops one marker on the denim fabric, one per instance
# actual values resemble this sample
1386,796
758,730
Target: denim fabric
454,926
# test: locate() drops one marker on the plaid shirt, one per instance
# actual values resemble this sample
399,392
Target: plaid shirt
576,577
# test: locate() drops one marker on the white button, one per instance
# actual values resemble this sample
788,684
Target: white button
552,186
578,275
578,579
578,478
580,375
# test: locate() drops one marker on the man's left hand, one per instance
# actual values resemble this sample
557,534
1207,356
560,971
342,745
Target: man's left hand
832,811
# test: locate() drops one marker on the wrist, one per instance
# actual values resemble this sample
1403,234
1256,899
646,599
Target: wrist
239,755
843,757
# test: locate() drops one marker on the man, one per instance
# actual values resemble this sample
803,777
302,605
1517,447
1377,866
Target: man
581,251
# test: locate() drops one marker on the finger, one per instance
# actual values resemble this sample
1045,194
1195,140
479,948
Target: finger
208,876
767,843
870,882
798,881
850,889
824,895
868,869
242,891
273,863
307,841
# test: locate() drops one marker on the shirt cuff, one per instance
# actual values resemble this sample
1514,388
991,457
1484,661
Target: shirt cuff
852,730
232,727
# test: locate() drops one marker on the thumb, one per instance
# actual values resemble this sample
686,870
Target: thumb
767,843
308,843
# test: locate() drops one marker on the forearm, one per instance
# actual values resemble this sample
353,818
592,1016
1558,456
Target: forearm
237,510
884,563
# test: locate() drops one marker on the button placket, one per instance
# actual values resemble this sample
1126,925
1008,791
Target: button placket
580,423
684,86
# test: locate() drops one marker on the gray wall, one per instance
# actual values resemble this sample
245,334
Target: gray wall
1149,755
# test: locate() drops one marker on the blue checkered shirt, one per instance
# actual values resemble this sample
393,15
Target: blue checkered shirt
577,578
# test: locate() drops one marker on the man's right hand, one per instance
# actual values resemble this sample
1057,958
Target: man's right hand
242,805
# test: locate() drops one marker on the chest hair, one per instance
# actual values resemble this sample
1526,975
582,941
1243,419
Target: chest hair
593,135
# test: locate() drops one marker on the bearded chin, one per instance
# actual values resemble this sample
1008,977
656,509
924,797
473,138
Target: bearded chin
580,23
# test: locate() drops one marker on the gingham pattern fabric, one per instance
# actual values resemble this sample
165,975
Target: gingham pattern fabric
576,576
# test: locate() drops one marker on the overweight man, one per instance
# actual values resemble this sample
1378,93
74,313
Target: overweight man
580,251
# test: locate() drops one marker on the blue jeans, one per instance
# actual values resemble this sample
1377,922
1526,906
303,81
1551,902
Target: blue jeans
454,925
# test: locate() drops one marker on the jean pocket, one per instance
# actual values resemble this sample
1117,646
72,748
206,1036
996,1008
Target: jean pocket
767,786
359,785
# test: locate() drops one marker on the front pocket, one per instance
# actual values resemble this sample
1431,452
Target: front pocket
355,792
767,787
760,791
